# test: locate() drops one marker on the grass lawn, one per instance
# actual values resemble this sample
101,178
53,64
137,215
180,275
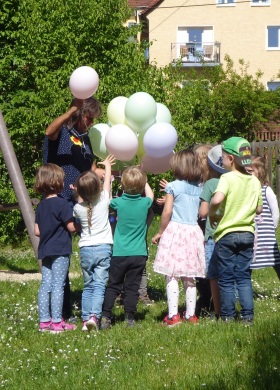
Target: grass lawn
210,355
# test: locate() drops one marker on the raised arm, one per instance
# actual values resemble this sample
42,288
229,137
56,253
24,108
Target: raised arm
53,129
149,192
108,162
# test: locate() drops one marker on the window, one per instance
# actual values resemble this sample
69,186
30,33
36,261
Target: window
273,37
273,85
225,2
260,2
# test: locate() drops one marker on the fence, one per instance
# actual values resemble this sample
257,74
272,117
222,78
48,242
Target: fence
270,149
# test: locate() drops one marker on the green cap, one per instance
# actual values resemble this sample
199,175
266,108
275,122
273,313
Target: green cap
240,148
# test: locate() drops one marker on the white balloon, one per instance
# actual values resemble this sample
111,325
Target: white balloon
160,139
163,113
122,142
115,110
97,135
83,82
156,165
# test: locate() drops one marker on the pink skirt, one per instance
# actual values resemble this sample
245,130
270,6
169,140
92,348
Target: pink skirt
181,251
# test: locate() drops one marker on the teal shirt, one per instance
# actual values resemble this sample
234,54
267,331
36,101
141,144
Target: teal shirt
131,229
206,195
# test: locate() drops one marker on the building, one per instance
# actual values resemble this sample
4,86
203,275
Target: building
201,32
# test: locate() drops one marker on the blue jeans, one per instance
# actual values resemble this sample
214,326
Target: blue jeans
54,272
95,263
235,253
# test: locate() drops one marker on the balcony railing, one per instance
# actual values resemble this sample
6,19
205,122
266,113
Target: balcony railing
196,53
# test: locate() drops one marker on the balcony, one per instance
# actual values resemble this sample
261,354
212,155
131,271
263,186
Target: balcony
196,54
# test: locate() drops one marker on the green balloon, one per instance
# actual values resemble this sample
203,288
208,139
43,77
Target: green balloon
97,135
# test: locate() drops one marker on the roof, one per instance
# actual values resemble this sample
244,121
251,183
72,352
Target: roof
143,5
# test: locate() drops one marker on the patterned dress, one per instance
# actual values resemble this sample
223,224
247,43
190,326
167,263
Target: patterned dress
266,251
181,247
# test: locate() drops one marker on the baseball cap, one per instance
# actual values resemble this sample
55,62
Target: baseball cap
215,159
240,148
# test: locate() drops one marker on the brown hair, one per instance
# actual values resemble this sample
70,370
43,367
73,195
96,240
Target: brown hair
260,164
88,187
134,180
202,152
49,179
185,166
90,107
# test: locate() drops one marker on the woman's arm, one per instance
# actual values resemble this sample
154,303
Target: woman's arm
53,129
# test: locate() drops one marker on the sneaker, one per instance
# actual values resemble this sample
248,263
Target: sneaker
105,323
173,321
130,322
45,326
62,326
247,321
84,327
92,323
145,300
192,320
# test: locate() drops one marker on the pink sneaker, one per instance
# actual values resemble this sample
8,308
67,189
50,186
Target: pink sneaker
192,320
84,327
173,321
92,323
59,327
45,326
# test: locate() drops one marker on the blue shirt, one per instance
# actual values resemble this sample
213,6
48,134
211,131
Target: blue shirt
51,217
186,201
73,155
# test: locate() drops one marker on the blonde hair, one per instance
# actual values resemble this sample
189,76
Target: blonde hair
260,164
134,180
49,179
88,187
202,153
185,166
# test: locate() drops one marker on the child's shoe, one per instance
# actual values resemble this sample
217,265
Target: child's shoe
92,323
145,299
62,326
105,323
84,327
173,321
191,320
45,326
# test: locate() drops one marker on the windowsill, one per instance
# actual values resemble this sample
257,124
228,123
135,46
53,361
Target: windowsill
227,5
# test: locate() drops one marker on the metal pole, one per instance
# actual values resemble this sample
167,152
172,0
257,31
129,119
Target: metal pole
18,183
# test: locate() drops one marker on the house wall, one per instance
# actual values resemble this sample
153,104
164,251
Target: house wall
240,28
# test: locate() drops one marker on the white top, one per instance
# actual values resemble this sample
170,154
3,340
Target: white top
100,231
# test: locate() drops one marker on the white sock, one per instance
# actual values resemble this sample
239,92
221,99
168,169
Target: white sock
190,297
172,289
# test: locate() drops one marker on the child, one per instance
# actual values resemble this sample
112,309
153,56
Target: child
53,224
239,194
95,242
130,247
266,252
215,169
180,252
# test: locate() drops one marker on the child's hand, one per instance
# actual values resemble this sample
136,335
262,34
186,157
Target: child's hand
108,162
156,238
214,220
163,183
161,201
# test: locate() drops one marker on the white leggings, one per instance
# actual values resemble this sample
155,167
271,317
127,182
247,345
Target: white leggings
172,289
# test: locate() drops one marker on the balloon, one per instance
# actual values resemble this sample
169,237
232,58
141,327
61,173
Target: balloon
163,114
83,82
156,165
160,139
97,135
140,111
115,110
122,142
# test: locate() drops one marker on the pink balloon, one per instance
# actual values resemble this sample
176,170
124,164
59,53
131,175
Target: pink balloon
156,165
122,142
83,82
